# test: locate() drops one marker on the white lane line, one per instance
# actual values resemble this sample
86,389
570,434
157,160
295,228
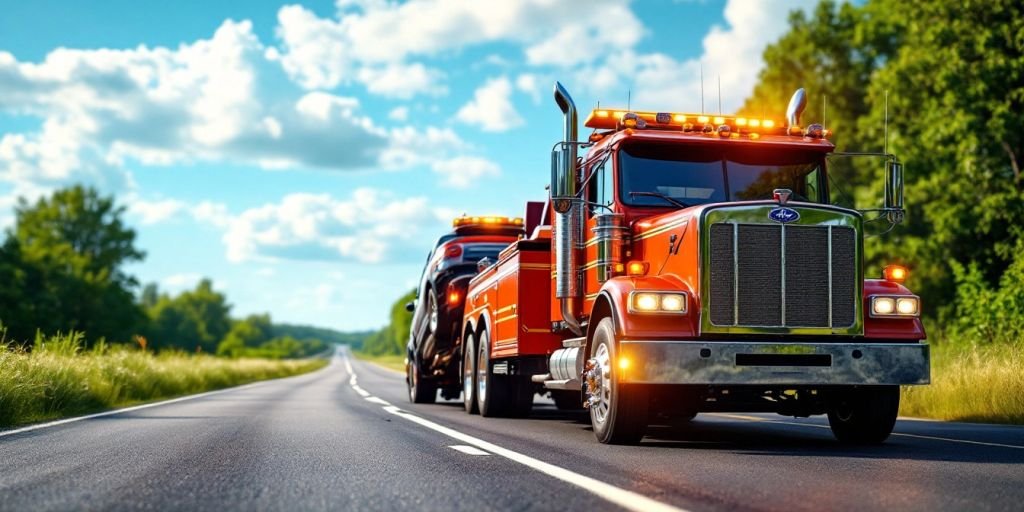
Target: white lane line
628,500
900,434
468,450
362,392
65,421
377,400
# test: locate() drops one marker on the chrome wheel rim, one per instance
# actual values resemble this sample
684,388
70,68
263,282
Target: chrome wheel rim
432,318
604,391
467,375
481,370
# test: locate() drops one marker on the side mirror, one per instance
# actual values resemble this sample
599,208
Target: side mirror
410,306
894,191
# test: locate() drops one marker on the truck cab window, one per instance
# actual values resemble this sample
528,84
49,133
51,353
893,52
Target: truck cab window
599,188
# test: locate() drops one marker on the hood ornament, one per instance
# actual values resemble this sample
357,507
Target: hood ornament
782,195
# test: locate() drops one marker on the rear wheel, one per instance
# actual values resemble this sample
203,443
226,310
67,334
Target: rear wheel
488,397
864,415
420,392
618,412
469,375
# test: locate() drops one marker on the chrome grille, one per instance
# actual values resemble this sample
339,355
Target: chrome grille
774,275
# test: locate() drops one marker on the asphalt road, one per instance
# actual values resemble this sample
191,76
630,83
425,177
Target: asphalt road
326,441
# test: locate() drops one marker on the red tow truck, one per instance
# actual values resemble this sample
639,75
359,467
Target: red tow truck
689,263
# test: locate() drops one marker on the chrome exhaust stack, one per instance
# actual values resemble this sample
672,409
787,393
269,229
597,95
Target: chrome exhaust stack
568,212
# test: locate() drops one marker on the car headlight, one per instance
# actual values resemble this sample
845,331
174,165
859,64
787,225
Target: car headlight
657,302
895,306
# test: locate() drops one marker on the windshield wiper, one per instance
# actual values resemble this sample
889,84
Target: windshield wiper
661,196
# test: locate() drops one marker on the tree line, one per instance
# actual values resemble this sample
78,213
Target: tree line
953,76
62,269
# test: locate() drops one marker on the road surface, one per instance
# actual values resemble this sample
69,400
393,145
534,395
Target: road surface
326,441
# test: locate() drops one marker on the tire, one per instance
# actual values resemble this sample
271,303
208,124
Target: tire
490,397
865,415
567,400
420,392
469,375
620,414
432,311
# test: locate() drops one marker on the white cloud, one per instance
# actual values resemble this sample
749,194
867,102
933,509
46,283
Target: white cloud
659,81
403,81
491,107
529,84
323,53
463,171
369,227
399,114
152,212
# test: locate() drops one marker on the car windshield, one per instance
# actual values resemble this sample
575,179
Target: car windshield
667,175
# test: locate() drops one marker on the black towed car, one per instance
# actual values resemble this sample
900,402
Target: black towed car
432,359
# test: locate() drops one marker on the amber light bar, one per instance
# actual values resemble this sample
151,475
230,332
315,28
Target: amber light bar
611,119
486,221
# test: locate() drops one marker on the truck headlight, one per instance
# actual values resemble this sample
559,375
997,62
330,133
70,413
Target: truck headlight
895,306
657,302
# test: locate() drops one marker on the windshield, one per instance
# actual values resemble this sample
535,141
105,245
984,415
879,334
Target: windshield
667,175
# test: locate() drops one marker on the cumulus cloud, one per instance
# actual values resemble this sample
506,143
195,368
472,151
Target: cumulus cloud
464,171
325,52
371,226
731,52
491,107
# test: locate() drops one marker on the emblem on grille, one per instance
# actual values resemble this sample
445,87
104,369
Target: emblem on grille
783,215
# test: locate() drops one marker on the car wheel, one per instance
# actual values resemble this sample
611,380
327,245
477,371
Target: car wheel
420,392
618,412
864,415
432,311
489,396
469,375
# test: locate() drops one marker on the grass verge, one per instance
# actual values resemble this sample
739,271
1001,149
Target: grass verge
390,361
58,379
974,383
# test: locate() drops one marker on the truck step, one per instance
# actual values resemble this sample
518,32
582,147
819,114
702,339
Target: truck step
574,342
501,368
570,384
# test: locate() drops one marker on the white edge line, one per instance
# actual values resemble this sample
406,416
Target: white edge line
628,500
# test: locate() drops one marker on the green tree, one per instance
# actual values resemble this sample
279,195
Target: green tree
66,255
247,333
194,320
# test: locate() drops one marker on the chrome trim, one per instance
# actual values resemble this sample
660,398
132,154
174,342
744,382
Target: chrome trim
782,274
714,363
871,307
830,275
735,274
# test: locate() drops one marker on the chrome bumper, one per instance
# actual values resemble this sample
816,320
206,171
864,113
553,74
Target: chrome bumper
743,362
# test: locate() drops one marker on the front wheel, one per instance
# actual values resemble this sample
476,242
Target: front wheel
864,415
618,411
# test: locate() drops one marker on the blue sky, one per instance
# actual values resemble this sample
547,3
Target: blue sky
304,156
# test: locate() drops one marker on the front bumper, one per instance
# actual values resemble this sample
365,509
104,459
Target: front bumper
757,363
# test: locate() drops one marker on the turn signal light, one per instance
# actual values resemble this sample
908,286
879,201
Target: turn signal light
454,298
637,268
895,273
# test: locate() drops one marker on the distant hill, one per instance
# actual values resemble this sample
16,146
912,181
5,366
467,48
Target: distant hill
324,334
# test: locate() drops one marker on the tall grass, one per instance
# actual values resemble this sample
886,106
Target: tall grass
971,382
58,378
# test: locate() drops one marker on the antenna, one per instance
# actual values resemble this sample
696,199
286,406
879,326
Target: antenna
701,87
719,94
885,143
629,99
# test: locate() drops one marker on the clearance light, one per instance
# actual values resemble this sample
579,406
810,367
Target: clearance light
657,302
453,298
755,123
895,273
703,119
623,363
601,113
679,118
637,268
768,123
741,121
719,120
895,306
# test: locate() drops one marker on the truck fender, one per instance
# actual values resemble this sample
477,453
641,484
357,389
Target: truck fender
613,300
